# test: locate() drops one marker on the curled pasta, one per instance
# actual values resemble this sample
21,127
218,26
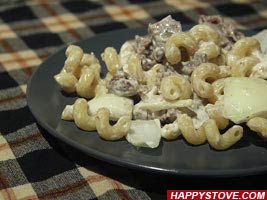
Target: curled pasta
215,113
243,66
199,76
245,46
67,113
210,49
191,135
203,32
88,81
67,78
222,141
210,132
74,55
175,87
242,48
218,92
135,68
67,81
177,40
75,73
88,59
259,125
108,132
127,49
171,131
111,59
81,117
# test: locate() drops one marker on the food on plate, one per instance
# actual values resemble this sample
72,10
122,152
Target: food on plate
203,84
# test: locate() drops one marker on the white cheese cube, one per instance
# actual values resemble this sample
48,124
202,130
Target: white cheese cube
117,106
144,133
244,98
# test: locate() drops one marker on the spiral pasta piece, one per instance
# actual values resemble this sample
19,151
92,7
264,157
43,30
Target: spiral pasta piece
222,141
242,48
175,87
177,40
210,49
88,59
135,68
108,132
191,135
67,78
218,92
243,66
214,112
111,59
209,131
81,117
203,32
245,46
67,81
88,81
199,76
171,131
74,56
67,113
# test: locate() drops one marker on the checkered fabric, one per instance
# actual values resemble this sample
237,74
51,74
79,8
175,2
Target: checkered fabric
34,165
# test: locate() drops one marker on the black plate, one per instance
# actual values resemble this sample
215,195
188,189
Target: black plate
46,102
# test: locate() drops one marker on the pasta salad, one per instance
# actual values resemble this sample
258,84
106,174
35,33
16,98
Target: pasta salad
203,84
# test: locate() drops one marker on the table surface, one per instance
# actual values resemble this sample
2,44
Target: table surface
33,164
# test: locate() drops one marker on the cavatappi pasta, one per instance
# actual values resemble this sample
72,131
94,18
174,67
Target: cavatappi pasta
178,78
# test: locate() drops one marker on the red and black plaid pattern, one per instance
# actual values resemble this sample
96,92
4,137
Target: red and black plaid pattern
33,165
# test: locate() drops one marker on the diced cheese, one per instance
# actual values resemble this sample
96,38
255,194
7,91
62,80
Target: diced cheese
244,98
118,106
144,133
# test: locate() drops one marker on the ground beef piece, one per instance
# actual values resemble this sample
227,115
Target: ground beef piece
151,47
122,84
145,49
143,44
227,30
162,30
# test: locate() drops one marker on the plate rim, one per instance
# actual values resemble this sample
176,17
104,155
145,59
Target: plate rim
123,163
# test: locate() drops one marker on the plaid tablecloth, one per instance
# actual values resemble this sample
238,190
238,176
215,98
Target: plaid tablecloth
33,164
